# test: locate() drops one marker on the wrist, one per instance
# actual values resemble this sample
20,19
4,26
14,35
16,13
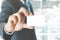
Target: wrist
9,33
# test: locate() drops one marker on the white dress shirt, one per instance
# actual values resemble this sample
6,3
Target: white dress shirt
24,2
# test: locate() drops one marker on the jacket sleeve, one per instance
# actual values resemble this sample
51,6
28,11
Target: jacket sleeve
7,10
6,36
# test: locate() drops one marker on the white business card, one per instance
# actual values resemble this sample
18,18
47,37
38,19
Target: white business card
36,20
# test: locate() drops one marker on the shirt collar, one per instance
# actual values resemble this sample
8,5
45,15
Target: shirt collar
23,1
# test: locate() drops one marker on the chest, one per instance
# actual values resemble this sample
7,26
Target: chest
17,5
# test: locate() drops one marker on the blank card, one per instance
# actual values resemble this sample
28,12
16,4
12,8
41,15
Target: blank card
36,20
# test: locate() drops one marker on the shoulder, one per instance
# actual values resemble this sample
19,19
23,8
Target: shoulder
6,3
9,2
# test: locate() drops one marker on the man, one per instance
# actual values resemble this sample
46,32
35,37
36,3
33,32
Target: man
14,17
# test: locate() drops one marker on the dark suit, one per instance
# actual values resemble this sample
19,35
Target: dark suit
8,8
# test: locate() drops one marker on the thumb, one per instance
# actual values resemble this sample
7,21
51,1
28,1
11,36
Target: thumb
28,27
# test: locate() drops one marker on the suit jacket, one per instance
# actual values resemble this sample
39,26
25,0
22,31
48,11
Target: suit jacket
8,8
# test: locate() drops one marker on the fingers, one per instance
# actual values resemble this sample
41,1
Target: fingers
12,18
28,27
20,16
12,21
30,14
10,25
26,13
17,20
22,9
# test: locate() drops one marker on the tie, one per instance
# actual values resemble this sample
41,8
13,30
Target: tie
27,5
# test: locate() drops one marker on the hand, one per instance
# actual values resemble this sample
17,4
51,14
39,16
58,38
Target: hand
16,22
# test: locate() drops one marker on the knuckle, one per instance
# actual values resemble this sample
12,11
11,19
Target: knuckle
22,8
11,16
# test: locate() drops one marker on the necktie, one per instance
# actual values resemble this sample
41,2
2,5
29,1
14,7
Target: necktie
27,6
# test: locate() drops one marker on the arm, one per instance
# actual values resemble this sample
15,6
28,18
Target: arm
6,36
7,10
16,23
